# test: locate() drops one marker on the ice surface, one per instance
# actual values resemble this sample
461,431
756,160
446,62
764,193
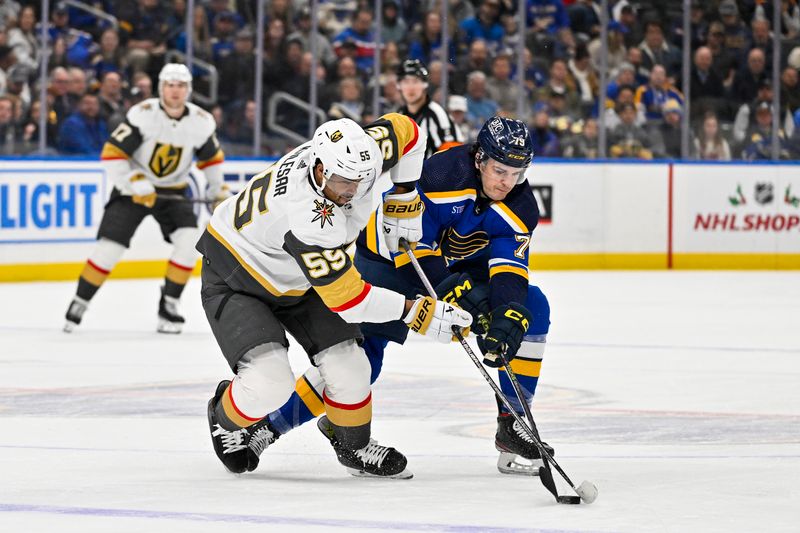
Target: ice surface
676,393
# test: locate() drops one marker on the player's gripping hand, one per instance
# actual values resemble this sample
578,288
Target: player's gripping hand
143,191
402,218
218,194
459,289
435,318
507,326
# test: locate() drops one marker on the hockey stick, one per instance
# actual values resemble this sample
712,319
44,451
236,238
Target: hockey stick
586,490
179,198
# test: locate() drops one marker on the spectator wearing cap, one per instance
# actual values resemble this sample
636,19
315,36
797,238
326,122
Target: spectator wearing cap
111,57
214,8
698,29
747,80
617,52
586,81
393,27
544,139
549,22
477,59
627,140
17,85
584,20
9,10
144,27
737,36
667,135
303,35
624,75
236,70
709,144
657,51
746,114
84,132
224,29
707,92
427,45
485,25
361,38
457,108
499,86
655,94
758,145
628,18
23,39
480,107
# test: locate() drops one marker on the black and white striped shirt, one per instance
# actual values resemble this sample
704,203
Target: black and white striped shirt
442,132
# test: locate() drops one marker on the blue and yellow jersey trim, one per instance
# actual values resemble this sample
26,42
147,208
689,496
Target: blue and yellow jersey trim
509,217
449,197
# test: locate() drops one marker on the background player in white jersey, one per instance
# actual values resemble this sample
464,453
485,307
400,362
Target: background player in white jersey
286,234
149,153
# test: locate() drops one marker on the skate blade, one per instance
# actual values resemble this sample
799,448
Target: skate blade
405,474
69,326
510,463
172,328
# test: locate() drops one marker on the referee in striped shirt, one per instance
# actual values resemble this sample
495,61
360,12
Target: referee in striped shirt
442,132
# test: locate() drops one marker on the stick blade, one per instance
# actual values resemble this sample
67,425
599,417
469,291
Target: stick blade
547,480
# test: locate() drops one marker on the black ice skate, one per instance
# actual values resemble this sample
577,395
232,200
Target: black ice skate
169,318
75,313
238,450
513,443
373,460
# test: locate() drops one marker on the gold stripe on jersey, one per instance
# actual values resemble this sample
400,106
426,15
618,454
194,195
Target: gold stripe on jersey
112,152
218,157
519,271
447,195
525,367
419,253
343,289
372,234
309,397
405,129
250,270
510,214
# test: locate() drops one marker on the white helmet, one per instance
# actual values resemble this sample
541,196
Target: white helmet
345,149
175,72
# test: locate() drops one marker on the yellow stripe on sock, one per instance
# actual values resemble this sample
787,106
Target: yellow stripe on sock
309,397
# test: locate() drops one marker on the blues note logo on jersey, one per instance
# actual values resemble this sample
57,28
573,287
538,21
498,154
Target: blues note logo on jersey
165,159
324,213
456,247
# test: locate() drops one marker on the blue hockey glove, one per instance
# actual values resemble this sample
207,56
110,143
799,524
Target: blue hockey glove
459,289
507,326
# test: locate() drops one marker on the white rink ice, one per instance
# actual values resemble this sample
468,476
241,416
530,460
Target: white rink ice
676,393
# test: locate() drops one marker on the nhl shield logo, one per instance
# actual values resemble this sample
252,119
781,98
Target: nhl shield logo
764,193
165,159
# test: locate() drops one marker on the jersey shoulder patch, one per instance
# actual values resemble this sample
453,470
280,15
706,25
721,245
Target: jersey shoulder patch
142,113
396,135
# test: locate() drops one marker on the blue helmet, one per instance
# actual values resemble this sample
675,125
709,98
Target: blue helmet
507,141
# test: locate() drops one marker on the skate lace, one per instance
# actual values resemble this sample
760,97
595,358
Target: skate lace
373,453
261,439
521,433
232,441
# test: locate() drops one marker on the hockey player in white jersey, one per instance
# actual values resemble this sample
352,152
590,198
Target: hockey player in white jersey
148,154
275,262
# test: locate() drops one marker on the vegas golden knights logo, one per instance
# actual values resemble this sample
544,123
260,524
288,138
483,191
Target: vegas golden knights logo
336,136
165,159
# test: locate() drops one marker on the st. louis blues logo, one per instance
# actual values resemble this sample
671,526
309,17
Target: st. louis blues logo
324,213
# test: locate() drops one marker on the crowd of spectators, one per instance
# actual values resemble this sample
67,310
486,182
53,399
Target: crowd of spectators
96,72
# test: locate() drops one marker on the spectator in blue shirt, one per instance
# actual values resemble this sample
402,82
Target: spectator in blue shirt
548,23
427,47
486,25
83,132
361,37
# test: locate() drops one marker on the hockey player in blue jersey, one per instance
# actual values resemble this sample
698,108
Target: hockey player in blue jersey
477,223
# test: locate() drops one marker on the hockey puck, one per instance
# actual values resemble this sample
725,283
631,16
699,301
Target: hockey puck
573,500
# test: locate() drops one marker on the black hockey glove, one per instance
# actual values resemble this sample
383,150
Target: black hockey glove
507,326
459,289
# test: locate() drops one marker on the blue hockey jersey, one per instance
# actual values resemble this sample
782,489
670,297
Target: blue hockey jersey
463,231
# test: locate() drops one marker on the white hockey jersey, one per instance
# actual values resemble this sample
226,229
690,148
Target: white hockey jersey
162,148
290,238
